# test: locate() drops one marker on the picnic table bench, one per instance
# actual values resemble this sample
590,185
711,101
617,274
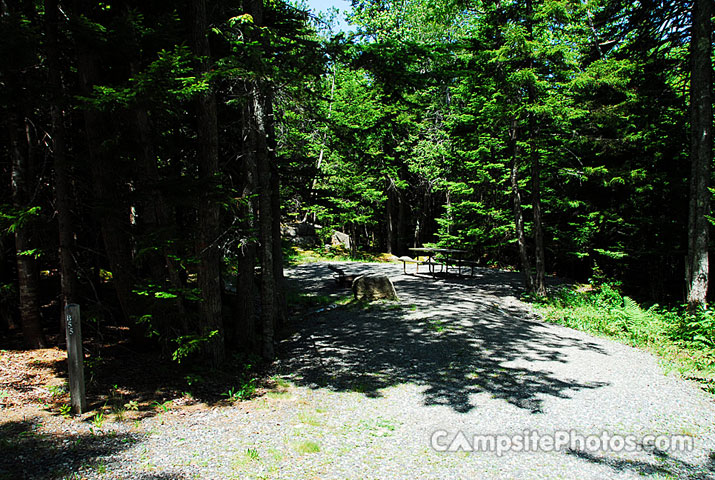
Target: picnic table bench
450,257
430,264
341,278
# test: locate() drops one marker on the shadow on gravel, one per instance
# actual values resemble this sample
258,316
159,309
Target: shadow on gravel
663,465
28,454
455,336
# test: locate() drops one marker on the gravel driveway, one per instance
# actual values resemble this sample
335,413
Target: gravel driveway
368,391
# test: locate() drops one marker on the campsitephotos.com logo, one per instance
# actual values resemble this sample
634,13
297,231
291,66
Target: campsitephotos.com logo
533,441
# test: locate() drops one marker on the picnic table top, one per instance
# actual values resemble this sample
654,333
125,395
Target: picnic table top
437,250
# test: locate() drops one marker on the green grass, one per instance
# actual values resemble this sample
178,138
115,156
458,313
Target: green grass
436,325
245,458
308,419
297,256
683,339
245,391
281,382
306,446
278,395
57,390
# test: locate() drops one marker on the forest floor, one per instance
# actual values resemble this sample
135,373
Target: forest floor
359,390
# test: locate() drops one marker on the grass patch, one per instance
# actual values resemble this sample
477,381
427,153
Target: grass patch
308,419
436,325
281,382
306,446
245,391
279,395
245,458
685,339
297,256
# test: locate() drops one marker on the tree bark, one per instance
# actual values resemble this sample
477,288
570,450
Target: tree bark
540,264
265,228
390,224
209,271
27,269
155,217
109,205
701,119
281,307
7,275
403,218
63,195
244,331
539,281
518,212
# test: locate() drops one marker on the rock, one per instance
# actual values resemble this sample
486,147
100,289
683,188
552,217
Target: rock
374,287
340,238
301,233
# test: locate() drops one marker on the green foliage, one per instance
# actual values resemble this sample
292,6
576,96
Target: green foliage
607,311
189,344
163,407
57,390
296,256
98,420
160,292
405,133
252,454
193,379
685,338
12,218
243,392
306,446
65,410
698,328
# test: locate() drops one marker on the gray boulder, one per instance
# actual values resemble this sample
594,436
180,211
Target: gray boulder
301,233
340,238
374,287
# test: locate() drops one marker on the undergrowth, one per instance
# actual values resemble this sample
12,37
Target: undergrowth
296,256
687,340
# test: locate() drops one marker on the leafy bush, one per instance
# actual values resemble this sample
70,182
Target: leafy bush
606,311
687,338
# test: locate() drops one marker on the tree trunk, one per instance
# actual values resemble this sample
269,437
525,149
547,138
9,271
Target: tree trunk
209,271
701,119
27,269
265,227
518,212
389,210
539,282
281,307
63,196
403,218
155,217
244,325
312,196
109,206
7,275
244,331
540,264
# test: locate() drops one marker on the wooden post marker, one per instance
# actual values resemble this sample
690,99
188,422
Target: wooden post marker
75,358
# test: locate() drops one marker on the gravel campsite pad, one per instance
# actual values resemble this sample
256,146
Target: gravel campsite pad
366,391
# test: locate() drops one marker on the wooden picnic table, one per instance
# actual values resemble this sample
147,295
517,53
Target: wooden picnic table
452,256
